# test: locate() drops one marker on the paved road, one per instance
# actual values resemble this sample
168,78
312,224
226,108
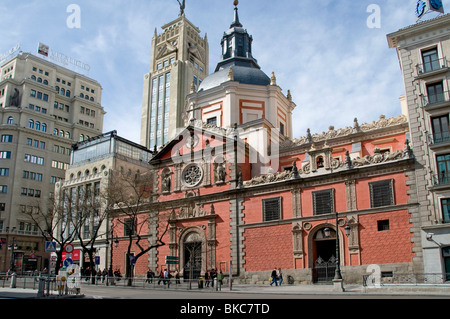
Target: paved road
247,292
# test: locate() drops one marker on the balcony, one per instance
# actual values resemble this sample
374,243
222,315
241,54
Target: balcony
432,67
437,100
440,179
439,139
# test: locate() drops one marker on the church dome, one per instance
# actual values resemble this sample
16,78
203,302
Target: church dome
237,54
241,74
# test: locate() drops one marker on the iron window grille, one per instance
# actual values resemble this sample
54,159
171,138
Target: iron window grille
381,193
323,202
271,209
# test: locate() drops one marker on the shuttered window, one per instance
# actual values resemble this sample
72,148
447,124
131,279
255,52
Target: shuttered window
381,193
323,202
271,209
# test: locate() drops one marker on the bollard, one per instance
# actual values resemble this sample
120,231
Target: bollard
41,289
13,280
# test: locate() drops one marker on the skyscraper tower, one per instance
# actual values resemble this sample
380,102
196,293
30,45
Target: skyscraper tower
179,59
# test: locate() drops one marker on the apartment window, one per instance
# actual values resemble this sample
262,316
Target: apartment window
323,202
3,189
271,209
430,60
443,165
383,225
7,138
4,171
5,154
381,193
435,93
445,204
441,131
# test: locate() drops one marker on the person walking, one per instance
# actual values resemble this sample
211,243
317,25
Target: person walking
161,277
212,276
274,277
219,280
150,276
280,276
206,278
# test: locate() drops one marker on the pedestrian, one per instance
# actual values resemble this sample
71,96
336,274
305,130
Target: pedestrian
280,277
150,275
220,280
104,274
207,278
212,276
274,277
167,277
177,277
161,277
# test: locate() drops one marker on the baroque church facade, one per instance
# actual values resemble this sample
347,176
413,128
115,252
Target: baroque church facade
234,191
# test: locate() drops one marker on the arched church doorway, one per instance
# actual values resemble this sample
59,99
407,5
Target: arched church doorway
324,266
192,252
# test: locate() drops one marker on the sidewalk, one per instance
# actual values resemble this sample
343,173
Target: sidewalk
350,290
20,293
387,289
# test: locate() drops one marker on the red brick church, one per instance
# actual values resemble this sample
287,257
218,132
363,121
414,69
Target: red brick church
238,193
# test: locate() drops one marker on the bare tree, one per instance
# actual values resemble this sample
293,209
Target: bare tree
54,223
91,219
129,195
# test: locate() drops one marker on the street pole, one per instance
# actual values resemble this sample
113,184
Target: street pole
338,282
337,275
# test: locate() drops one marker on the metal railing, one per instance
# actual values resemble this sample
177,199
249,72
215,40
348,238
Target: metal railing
44,285
442,178
156,283
438,138
432,65
436,98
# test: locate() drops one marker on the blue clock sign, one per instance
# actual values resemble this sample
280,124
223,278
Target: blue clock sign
436,4
420,8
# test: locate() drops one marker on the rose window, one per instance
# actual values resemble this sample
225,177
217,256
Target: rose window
192,175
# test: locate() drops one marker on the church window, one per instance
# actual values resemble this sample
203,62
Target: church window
381,193
212,121
271,209
323,202
192,175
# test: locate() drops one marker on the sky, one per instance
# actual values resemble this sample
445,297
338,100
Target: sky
331,54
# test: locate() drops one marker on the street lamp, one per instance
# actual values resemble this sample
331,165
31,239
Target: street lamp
12,247
327,233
